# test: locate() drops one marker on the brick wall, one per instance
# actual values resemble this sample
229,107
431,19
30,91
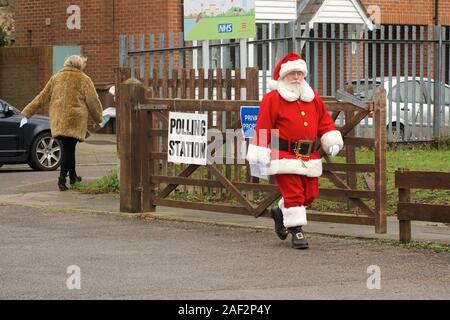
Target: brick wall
102,21
411,12
24,72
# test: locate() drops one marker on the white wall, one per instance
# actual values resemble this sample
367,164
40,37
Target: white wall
273,10
339,11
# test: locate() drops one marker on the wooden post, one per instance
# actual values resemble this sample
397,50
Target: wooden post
404,225
350,151
380,160
130,154
252,84
122,74
146,164
252,89
404,195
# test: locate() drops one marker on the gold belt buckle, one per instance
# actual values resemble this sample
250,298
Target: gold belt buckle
299,147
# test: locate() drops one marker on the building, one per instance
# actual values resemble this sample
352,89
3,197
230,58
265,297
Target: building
93,27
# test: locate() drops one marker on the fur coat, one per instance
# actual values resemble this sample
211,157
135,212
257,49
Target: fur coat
71,96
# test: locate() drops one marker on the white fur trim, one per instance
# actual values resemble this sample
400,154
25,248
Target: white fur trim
331,138
311,168
257,154
305,93
295,65
272,85
293,216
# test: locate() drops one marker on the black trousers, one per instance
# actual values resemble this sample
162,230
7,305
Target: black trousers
68,157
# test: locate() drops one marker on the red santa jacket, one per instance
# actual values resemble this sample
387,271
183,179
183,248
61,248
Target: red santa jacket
296,118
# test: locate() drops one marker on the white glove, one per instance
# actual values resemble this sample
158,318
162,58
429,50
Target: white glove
23,121
334,150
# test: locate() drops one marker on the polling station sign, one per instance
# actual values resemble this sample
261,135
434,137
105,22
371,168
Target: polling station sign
188,138
224,19
249,115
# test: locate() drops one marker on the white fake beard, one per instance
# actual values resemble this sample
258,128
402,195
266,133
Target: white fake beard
293,86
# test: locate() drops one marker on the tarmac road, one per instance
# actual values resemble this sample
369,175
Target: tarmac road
129,258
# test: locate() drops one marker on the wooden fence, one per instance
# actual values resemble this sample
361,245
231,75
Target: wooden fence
407,210
147,180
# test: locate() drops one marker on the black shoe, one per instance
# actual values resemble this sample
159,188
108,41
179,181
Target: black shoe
62,184
75,179
298,238
277,216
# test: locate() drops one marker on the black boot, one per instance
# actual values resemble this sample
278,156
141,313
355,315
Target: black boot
298,238
62,184
277,216
74,179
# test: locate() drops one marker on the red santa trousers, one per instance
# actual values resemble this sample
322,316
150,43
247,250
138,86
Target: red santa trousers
297,190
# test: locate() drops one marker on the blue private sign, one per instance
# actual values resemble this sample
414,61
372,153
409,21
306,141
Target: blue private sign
249,115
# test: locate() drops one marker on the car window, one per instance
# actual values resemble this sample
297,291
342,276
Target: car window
394,94
2,110
361,91
447,95
403,92
431,90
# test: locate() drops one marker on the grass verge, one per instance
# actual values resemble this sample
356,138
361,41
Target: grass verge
106,184
428,245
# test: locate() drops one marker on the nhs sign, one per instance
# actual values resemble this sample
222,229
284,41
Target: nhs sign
225,27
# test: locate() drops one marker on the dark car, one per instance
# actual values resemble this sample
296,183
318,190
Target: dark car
32,143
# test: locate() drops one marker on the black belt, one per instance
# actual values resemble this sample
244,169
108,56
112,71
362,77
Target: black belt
301,148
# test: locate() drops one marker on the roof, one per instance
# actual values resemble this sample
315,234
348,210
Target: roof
324,11
307,9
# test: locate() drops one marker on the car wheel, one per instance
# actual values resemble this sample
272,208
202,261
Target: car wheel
45,153
398,134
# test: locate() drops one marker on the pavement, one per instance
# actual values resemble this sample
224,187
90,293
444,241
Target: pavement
23,187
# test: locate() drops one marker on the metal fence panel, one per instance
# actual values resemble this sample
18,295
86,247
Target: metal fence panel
336,55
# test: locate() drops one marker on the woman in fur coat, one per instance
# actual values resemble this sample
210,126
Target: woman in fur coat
71,97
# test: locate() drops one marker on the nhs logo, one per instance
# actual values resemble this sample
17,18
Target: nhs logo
225,27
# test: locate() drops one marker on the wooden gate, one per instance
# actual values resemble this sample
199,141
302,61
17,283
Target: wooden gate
147,180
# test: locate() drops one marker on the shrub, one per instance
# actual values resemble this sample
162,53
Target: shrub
3,37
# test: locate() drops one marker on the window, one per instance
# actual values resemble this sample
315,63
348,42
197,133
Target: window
447,95
279,48
403,92
430,88
260,27
361,91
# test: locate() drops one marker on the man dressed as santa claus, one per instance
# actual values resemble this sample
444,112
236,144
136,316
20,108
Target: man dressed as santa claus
290,118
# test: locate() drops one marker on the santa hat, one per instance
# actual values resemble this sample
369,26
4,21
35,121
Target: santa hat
291,62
